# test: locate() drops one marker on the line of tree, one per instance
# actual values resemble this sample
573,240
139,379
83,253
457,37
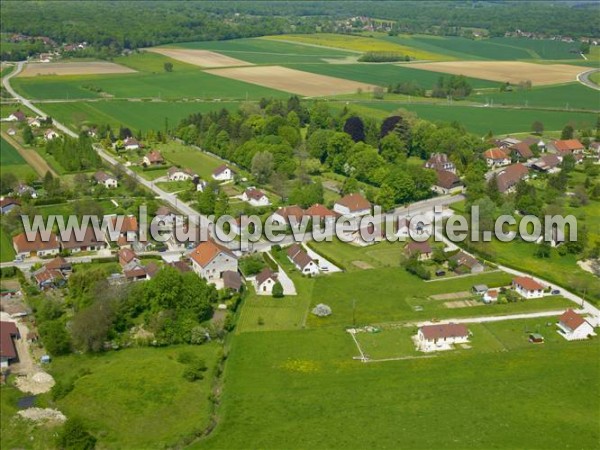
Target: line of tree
377,57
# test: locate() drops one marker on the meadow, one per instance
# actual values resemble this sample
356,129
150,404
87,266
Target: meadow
7,253
134,115
12,162
184,156
481,120
302,389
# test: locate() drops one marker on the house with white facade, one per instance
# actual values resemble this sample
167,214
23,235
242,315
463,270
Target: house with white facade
574,327
38,246
223,173
264,281
50,134
527,287
179,174
353,205
303,262
210,260
431,338
255,197
107,180
496,157
153,158
131,144
440,161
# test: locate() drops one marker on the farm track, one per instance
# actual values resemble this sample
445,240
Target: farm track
32,158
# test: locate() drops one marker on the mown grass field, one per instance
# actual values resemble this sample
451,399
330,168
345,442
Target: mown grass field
358,44
308,379
7,253
134,115
480,120
12,162
595,77
187,157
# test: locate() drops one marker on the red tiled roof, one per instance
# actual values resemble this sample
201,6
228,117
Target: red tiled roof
447,180
254,193
527,283
207,251
571,319
23,245
89,239
318,210
155,156
495,153
511,176
8,331
568,145
418,247
447,330
126,255
290,211
130,223
6,201
59,263
522,149
354,202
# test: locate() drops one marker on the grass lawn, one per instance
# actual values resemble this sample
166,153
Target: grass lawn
137,398
187,157
7,253
301,389
12,162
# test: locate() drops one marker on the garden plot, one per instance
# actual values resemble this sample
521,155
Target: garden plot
291,80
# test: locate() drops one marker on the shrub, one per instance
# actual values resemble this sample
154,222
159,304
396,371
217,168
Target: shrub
186,357
277,290
195,370
74,436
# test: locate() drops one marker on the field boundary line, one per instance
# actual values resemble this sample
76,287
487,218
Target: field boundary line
31,157
461,276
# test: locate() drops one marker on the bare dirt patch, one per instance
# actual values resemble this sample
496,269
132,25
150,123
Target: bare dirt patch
202,58
33,158
42,415
460,304
73,68
291,80
362,265
451,296
502,71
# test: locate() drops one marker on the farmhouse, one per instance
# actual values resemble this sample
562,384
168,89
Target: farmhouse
527,287
447,183
521,151
107,180
131,144
153,158
223,173
353,205
232,280
38,247
210,260
284,214
50,134
569,146
508,178
90,241
178,174
466,263
438,337
548,163
440,161
7,204
573,327
496,157
264,281
303,262
17,116
321,214
255,197
8,351
48,278
421,250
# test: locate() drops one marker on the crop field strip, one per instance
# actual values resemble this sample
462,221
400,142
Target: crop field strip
73,68
202,58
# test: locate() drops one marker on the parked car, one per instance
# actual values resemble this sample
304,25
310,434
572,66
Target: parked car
555,292
324,268
440,273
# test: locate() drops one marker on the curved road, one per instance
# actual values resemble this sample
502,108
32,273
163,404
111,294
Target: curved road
584,78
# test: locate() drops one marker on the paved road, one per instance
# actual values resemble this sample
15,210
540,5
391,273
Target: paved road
498,318
584,78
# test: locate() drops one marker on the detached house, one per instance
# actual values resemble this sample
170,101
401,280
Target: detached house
447,183
508,178
521,151
131,144
50,134
8,351
17,116
320,213
7,204
107,180
496,157
133,270
46,278
37,247
264,281
441,336
125,230
223,173
255,197
210,260
354,205
548,163
573,327
569,146
88,242
440,161
421,250
466,263
284,214
527,287
178,174
153,158
303,262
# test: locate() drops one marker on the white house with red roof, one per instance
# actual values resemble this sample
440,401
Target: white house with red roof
496,157
527,287
210,260
443,336
574,327
354,205
568,146
179,174
264,281
255,197
223,173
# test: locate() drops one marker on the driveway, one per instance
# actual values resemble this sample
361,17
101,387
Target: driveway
321,261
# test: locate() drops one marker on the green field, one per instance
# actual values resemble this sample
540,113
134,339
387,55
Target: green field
187,157
480,120
7,253
135,398
515,399
384,74
595,77
134,115
267,51
12,162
